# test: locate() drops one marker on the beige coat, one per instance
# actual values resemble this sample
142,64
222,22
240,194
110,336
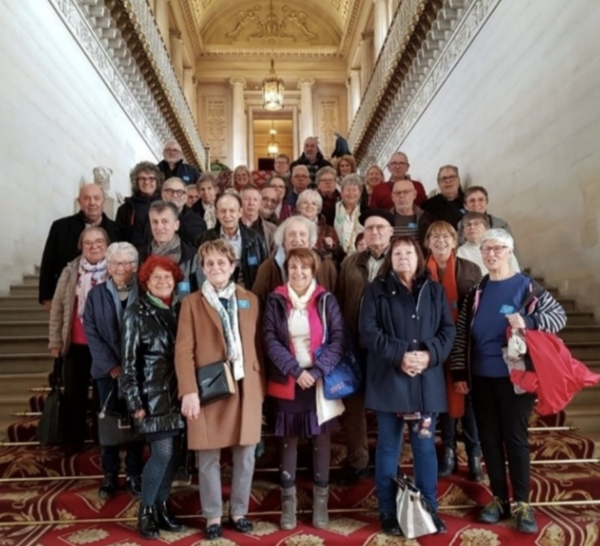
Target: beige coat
200,341
63,303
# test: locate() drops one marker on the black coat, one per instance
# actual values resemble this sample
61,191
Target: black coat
186,172
191,225
391,324
61,248
449,211
148,378
133,221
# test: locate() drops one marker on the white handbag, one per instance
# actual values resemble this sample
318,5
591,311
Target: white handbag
413,511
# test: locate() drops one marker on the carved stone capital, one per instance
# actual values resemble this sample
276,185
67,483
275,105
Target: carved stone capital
237,82
305,82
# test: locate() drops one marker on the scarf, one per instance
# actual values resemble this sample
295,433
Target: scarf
171,250
229,321
209,216
300,303
339,222
132,295
448,281
88,276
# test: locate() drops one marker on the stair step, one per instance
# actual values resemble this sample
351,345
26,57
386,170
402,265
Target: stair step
36,312
588,332
24,290
18,363
567,303
18,301
579,318
585,350
23,344
584,416
13,383
23,327
589,395
31,280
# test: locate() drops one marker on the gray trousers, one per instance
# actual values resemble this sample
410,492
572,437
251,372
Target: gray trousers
209,479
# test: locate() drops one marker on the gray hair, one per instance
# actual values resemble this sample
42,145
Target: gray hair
148,167
160,206
352,179
310,195
174,179
279,234
500,235
122,248
323,171
300,167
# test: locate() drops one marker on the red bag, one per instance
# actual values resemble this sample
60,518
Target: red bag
283,391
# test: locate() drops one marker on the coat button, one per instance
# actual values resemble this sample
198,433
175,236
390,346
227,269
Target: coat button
414,316
414,341
393,292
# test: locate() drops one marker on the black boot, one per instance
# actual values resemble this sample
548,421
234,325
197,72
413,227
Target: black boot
146,523
448,464
109,486
475,470
164,519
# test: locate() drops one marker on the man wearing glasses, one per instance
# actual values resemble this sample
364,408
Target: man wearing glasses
191,224
409,219
448,205
173,165
381,198
300,182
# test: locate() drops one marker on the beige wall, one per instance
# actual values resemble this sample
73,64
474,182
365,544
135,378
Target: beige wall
520,114
58,121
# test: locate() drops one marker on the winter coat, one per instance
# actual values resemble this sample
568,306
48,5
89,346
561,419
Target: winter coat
191,225
442,209
63,307
391,324
236,420
188,173
148,380
133,220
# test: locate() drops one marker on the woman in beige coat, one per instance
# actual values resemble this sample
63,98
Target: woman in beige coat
220,322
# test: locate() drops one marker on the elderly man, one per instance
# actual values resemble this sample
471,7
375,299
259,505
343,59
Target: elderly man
477,200
173,165
249,247
191,225
295,232
251,205
448,204
205,206
409,219
381,198
62,242
282,166
357,271
312,158
193,195
269,200
327,187
282,209
300,182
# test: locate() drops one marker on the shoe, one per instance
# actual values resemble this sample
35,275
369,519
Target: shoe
289,504
109,486
389,524
214,531
146,524
133,484
475,470
448,464
440,526
164,519
320,516
241,525
524,518
495,511
181,478
353,475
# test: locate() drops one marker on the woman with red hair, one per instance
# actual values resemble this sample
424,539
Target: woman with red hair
149,386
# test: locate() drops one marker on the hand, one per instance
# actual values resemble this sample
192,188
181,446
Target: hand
461,387
328,242
55,352
115,372
47,305
306,381
516,321
423,359
409,364
139,414
190,405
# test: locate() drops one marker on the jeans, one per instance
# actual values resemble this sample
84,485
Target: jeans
469,427
389,447
109,455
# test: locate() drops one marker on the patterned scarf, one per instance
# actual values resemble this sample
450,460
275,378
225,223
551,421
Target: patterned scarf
171,250
339,222
88,276
209,216
229,321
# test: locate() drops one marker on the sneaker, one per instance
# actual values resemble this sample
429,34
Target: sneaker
181,478
524,519
495,511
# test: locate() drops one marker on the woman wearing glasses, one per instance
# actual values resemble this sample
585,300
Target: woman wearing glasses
479,368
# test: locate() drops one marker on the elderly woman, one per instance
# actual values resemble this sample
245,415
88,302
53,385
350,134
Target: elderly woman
309,205
347,212
66,333
478,366
102,319
374,177
149,386
457,276
293,337
295,232
219,323
407,330
241,177
132,216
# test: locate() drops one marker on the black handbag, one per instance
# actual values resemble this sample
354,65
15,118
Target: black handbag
215,382
51,426
115,428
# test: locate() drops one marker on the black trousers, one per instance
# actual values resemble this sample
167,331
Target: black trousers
502,418
77,379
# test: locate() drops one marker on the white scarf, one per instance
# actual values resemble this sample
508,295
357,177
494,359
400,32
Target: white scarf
88,276
339,223
230,323
300,303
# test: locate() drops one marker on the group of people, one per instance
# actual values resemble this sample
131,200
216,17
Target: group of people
274,285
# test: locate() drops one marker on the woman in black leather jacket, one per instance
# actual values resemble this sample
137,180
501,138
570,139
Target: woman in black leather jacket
149,386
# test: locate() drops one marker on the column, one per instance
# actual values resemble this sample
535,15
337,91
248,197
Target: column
349,104
355,90
161,13
177,55
189,89
239,131
366,60
380,25
306,108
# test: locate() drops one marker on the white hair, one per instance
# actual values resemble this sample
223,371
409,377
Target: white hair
352,179
500,235
122,248
279,234
310,195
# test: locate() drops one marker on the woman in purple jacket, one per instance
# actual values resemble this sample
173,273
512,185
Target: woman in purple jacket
300,356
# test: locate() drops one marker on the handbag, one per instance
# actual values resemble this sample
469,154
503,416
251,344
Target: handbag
412,510
51,426
283,391
115,428
215,382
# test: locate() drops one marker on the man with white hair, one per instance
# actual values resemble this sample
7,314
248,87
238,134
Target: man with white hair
300,181
173,165
251,218
312,158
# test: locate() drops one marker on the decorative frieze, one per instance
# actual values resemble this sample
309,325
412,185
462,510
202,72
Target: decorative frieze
215,112
329,122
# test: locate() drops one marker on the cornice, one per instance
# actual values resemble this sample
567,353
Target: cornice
350,28
232,53
192,28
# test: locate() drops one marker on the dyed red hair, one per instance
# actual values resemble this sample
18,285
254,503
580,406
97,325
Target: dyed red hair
148,267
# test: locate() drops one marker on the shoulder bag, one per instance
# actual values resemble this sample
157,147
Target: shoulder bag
115,428
51,426
413,511
215,382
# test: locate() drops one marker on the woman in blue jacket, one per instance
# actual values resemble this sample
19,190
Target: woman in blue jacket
408,331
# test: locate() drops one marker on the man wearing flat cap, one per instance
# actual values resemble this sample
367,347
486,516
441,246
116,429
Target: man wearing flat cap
357,271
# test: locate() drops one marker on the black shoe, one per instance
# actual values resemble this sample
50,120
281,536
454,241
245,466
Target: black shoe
146,523
524,518
440,526
475,470
389,524
353,475
241,525
214,531
495,511
164,519
133,484
109,486
448,464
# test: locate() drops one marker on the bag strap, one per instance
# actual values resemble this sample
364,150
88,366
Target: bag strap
324,319
110,393
57,367
530,296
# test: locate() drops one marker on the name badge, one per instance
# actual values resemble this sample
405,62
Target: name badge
412,225
252,260
463,211
186,178
507,310
243,304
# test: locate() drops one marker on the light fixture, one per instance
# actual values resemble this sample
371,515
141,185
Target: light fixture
272,86
273,147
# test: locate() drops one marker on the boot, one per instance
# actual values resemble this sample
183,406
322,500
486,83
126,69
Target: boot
475,470
288,508
164,519
146,523
448,464
320,500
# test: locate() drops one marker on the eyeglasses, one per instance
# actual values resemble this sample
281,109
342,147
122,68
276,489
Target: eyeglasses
402,193
397,163
496,249
97,242
116,265
473,223
300,176
146,178
174,150
377,227
178,193
449,178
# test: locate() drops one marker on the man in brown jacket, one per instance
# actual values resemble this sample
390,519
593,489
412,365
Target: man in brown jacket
357,271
